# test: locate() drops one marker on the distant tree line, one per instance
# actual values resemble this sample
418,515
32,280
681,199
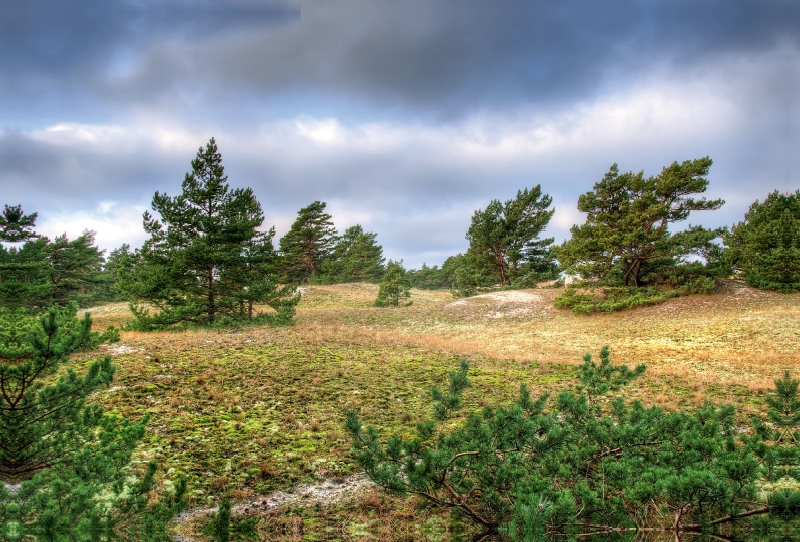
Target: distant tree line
209,261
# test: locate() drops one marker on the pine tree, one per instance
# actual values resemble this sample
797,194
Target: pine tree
42,272
626,238
201,253
394,286
308,243
24,275
504,238
74,268
72,459
16,226
574,465
356,257
765,247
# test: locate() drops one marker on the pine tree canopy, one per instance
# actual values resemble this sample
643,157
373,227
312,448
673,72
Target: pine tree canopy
765,247
505,237
626,238
356,257
205,258
308,243
16,226
42,272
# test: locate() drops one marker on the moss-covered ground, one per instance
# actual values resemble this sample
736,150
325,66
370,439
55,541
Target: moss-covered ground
249,411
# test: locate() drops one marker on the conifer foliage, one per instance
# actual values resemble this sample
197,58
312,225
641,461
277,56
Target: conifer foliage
765,247
356,257
205,262
16,226
308,243
626,238
584,463
504,238
394,287
72,459
42,272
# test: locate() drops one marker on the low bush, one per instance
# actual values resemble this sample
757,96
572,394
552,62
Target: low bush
581,464
611,299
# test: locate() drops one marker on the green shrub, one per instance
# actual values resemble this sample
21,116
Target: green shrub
578,464
610,299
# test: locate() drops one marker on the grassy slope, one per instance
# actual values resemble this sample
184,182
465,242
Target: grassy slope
250,411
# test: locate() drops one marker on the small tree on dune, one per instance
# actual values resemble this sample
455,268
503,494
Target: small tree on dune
394,286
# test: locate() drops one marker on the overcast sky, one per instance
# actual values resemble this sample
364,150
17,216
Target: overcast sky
404,116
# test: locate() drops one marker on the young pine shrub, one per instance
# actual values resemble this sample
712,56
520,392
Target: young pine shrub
394,287
575,464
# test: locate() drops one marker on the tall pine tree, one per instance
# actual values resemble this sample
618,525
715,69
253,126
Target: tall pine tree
191,268
308,243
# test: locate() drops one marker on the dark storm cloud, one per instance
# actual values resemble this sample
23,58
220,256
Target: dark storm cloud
56,54
403,116
428,57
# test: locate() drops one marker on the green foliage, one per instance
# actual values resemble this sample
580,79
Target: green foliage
784,407
394,287
445,277
588,301
120,259
765,247
42,272
219,528
356,257
626,239
16,226
206,263
73,461
576,464
596,380
504,239
308,243
74,269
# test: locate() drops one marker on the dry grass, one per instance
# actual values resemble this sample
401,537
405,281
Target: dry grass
259,409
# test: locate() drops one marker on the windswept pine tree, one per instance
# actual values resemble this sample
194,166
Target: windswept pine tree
504,239
356,257
204,260
626,238
308,243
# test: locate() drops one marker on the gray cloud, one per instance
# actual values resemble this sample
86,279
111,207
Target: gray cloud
411,57
404,117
